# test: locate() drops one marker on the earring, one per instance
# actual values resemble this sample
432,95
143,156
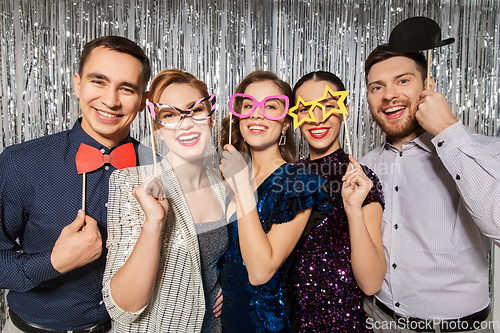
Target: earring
282,138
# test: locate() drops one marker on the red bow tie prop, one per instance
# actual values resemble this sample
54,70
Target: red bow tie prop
89,158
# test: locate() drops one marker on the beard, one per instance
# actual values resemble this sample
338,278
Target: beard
400,129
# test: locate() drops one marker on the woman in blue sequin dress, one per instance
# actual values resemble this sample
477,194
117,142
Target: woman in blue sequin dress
268,226
340,256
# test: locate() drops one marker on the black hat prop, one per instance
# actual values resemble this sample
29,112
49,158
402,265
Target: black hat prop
415,34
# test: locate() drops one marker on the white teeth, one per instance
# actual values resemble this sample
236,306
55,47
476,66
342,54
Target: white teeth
256,128
188,137
394,109
319,131
109,115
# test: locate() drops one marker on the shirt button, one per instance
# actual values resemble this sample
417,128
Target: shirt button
397,304
103,150
457,177
101,302
400,153
394,265
106,167
397,188
106,204
396,226
440,144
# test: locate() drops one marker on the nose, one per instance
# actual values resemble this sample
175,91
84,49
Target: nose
110,98
186,123
318,114
257,113
390,92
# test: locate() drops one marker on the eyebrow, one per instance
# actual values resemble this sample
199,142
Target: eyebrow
105,78
332,98
397,77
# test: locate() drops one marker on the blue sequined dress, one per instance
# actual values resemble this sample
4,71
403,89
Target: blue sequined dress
323,293
261,308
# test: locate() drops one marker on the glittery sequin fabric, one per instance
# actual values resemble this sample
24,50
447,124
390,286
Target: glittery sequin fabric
323,294
261,308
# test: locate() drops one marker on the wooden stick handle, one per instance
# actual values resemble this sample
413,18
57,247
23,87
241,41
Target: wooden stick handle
150,121
83,190
427,85
347,134
230,126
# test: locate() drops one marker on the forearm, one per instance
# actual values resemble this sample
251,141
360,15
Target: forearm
23,272
256,249
368,260
474,164
133,284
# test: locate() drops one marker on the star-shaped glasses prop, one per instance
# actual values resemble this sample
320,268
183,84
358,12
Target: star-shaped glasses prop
302,106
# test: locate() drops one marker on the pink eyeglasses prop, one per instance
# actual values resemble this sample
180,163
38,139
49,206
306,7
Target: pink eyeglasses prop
273,107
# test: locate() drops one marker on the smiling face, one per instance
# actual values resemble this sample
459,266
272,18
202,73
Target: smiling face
188,139
259,132
110,94
322,136
394,89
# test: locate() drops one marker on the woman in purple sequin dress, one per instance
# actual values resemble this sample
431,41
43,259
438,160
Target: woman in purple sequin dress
340,255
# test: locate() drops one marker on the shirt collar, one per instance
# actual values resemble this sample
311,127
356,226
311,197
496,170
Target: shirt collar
79,136
423,141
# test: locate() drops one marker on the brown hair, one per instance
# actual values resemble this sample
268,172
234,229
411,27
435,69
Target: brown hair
170,76
288,150
379,54
119,44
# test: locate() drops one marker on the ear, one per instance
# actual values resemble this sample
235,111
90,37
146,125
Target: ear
286,124
76,84
432,83
145,96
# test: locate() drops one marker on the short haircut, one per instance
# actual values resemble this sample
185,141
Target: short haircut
379,54
119,44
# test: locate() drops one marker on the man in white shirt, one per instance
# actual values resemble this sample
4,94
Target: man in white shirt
442,187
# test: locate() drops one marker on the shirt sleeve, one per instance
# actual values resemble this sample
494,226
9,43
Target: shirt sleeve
291,194
375,194
21,271
124,228
473,161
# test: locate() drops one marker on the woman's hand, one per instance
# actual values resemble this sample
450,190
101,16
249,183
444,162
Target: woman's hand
239,178
234,168
356,185
217,307
151,196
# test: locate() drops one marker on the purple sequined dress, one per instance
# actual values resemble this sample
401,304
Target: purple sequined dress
323,294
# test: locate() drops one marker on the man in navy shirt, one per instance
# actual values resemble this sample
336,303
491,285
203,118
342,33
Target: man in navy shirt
52,256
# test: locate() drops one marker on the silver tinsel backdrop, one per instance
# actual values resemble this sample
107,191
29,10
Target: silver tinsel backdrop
221,41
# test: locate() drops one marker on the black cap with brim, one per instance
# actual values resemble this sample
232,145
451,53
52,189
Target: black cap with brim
415,34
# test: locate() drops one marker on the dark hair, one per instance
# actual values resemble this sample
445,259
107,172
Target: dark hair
288,150
378,55
318,76
119,44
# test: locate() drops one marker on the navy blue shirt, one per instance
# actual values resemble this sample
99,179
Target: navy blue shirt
40,194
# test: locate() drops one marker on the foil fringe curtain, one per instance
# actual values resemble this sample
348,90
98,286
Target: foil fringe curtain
221,41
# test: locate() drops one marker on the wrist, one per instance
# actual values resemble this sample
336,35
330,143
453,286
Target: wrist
354,212
153,226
